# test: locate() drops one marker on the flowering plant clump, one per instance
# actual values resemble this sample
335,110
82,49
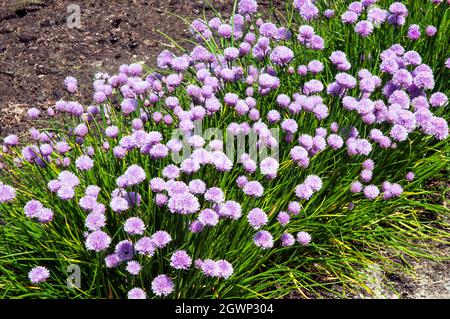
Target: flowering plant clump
267,159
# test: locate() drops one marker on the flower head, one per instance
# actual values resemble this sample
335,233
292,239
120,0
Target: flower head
263,239
257,218
136,293
180,260
162,286
7,193
303,238
134,226
38,274
98,241
133,267
161,238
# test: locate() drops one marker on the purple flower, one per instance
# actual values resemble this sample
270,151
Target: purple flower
136,293
263,239
112,131
112,261
410,176
247,7
303,191
197,186
328,13
84,163
371,192
225,30
68,179
38,274
368,164
134,175
119,204
157,184
161,238
399,133
412,57
71,84
87,203
33,208
254,189
215,195
366,175
317,43
98,241
281,55
424,80
398,9
377,15
196,227
364,28
308,11
302,70
95,221
230,209
269,166
7,193
313,86
92,190
65,192
189,166
438,99
145,246
335,141
273,116
224,269
241,181
257,218
414,32
162,286
315,67
289,125
208,217
356,187
287,240
124,250
184,203
133,267
180,64
128,106
33,113
303,238
11,140
346,80
283,218
180,260
294,208
430,31
175,188
45,215
349,17
134,226
391,190
249,165
314,182
208,267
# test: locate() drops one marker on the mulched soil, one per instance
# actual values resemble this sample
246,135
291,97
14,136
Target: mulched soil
38,50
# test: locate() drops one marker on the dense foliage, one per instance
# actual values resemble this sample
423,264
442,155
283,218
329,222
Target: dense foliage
273,158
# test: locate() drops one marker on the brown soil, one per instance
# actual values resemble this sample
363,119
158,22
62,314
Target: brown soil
38,49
